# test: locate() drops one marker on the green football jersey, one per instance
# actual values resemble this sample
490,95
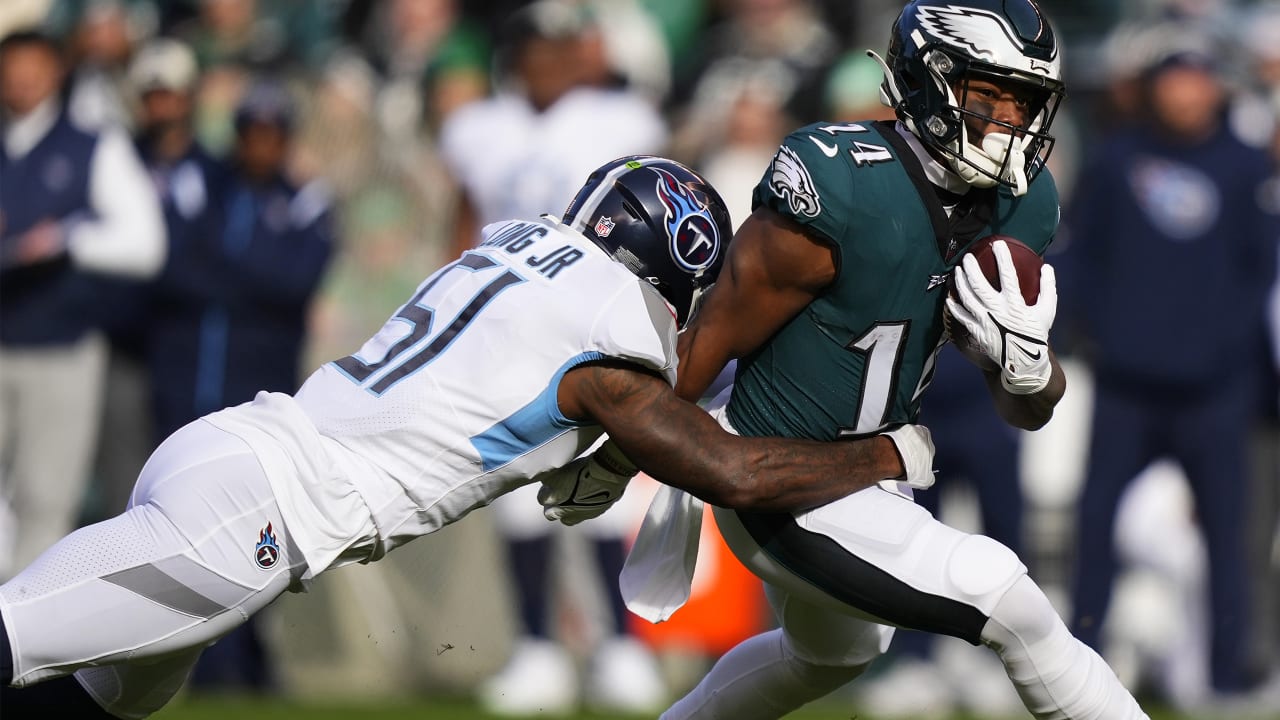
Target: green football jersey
858,358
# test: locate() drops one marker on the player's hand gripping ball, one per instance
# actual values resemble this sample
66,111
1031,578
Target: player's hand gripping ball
1020,317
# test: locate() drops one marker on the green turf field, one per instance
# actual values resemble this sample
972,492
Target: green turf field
262,709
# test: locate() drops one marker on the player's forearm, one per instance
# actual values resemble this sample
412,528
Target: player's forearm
760,474
791,475
679,444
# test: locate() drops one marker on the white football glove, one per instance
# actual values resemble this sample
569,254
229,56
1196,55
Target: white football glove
1001,324
915,447
586,487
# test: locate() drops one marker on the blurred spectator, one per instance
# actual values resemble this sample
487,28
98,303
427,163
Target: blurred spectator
394,197
161,80
18,15
528,148
236,32
628,47
73,206
229,317
1169,259
526,151
231,306
732,131
428,60
101,40
784,39
232,40
1254,115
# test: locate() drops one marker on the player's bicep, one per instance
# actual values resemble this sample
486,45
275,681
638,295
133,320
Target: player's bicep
773,270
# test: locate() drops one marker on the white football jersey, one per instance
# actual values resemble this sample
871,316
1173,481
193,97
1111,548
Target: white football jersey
453,402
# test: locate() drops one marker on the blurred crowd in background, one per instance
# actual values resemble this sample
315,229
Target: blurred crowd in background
294,169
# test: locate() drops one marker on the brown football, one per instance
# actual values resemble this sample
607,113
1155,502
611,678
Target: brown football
1025,262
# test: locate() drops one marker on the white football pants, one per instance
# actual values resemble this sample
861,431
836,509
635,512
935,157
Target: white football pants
128,604
841,576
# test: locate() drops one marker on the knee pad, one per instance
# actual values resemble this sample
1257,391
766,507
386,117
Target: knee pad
1024,612
980,571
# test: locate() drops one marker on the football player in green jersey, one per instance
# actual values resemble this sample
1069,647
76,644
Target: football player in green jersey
833,300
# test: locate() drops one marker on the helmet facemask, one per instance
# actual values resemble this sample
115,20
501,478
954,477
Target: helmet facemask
1006,154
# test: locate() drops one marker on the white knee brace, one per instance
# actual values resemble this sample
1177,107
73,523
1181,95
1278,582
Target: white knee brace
981,571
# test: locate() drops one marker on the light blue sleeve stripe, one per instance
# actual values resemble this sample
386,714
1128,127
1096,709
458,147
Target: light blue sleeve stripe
530,426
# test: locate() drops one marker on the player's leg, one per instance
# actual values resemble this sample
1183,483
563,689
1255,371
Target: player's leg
1119,448
972,445
540,674
1212,444
623,674
875,553
202,548
56,406
814,652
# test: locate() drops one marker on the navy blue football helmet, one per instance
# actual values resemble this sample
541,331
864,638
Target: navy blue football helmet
661,220
938,45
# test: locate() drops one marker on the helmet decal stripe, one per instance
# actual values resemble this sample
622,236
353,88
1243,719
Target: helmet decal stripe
581,220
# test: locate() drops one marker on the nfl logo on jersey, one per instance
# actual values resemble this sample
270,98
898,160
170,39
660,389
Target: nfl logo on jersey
604,226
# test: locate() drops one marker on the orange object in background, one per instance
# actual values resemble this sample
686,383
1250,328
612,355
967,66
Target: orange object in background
726,605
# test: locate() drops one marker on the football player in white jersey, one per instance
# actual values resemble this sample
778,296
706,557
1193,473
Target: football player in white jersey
505,364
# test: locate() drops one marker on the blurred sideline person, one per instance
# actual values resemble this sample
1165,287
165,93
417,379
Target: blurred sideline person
515,155
1176,202
75,206
506,363
230,309
835,302
162,78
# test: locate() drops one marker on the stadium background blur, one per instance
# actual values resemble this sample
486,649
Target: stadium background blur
375,79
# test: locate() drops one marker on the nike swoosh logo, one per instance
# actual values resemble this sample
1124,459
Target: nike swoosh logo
828,150
598,497
1026,350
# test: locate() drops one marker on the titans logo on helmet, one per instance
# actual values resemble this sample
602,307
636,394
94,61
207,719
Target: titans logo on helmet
267,552
695,239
